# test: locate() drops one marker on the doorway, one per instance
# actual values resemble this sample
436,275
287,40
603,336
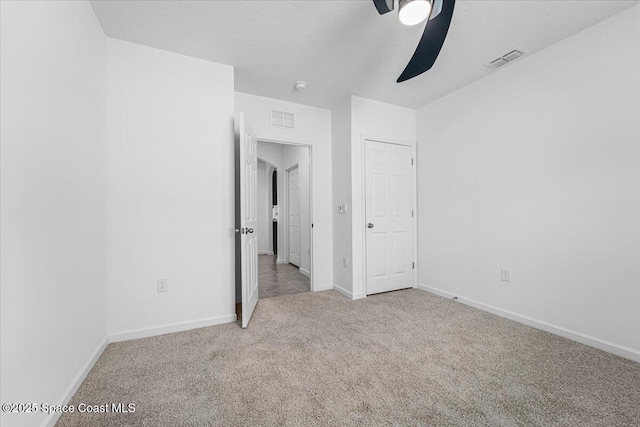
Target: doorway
259,159
284,219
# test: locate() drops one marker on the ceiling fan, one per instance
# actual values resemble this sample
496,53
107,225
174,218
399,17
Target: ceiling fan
413,12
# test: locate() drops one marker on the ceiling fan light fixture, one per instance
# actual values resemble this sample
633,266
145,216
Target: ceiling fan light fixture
413,12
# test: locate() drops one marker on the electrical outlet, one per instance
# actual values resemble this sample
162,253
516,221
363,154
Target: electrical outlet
504,275
345,262
163,285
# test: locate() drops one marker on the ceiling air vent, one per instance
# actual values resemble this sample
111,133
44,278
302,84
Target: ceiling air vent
497,63
512,55
282,119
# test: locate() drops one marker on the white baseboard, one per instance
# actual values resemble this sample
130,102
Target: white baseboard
77,380
281,261
305,272
343,291
265,252
173,327
607,346
50,420
348,294
435,291
324,287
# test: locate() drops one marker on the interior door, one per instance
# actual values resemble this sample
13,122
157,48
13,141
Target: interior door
388,211
294,216
249,220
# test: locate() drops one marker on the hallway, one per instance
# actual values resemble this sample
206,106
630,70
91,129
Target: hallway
279,279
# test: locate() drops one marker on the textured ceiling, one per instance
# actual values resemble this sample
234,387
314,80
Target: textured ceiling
345,47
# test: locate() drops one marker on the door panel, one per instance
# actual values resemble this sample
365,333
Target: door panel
399,252
294,217
379,241
249,221
379,196
399,196
388,211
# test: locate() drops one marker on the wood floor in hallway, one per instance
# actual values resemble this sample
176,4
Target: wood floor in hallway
280,279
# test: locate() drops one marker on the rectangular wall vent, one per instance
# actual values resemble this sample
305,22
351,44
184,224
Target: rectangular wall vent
282,119
512,55
287,120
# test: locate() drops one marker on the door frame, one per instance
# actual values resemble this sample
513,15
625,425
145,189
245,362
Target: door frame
287,207
363,220
285,201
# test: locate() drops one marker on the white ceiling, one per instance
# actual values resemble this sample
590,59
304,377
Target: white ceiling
343,47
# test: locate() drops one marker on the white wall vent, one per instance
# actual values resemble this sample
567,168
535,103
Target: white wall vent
512,55
282,119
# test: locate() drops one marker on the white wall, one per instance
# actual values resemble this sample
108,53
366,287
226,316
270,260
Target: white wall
300,155
271,153
171,188
313,127
536,169
341,180
382,122
53,192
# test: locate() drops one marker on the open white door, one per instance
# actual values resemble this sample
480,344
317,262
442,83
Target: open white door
389,204
249,220
294,216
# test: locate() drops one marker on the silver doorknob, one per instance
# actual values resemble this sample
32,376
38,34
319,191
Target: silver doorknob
370,225
249,230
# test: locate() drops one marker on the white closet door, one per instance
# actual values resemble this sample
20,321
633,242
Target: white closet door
389,224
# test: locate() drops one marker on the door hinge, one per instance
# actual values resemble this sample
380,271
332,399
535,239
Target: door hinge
411,162
413,265
412,213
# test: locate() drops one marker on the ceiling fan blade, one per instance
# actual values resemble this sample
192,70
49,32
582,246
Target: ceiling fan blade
430,43
383,6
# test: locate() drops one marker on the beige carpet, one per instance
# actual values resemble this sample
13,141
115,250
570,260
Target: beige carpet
404,358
